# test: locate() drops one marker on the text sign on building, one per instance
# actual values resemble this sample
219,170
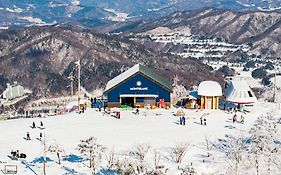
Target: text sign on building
138,88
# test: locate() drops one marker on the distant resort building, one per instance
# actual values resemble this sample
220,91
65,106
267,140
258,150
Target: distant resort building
13,91
209,92
138,87
239,92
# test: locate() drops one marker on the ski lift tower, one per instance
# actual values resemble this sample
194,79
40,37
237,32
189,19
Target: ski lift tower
275,95
71,79
78,79
274,86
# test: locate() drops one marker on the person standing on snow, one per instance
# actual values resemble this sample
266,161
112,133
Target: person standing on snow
205,121
201,120
40,136
234,119
41,124
183,120
28,136
242,119
180,121
33,125
118,115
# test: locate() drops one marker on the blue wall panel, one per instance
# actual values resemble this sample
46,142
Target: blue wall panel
140,99
148,86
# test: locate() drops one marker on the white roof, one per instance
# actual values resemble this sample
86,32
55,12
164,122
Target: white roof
139,95
209,88
239,92
122,77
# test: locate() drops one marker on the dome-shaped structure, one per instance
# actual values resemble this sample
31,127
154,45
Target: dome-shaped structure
209,88
209,92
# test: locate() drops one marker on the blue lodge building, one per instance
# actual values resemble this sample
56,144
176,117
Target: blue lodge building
137,87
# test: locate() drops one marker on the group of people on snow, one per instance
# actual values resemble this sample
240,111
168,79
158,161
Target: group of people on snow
33,127
182,120
234,118
203,121
15,155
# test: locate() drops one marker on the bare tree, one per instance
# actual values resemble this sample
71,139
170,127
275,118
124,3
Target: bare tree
263,149
157,168
178,152
258,152
189,170
209,146
140,150
207,143
236,149
128,166
44,143
156,159
56,148
91,148
110,158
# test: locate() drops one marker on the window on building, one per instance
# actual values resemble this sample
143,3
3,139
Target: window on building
250,94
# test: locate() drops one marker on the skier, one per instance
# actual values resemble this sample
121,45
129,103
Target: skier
205,121
41,124
242,119
17,154
33,125
40,136
201,120
183,120
118,115
234,118
137,111
92,102
28,136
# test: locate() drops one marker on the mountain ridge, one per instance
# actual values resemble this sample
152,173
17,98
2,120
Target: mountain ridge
41,59
260,30
88,13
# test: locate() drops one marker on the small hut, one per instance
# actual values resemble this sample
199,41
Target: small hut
209,92
192,100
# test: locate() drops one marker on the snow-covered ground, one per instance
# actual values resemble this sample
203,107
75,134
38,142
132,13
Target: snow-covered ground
247,76
158,128
194,46
117,16
278,81
32,20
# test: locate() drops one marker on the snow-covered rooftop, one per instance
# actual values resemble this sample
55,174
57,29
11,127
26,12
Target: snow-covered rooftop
239,92
133,70
209,88
122,77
